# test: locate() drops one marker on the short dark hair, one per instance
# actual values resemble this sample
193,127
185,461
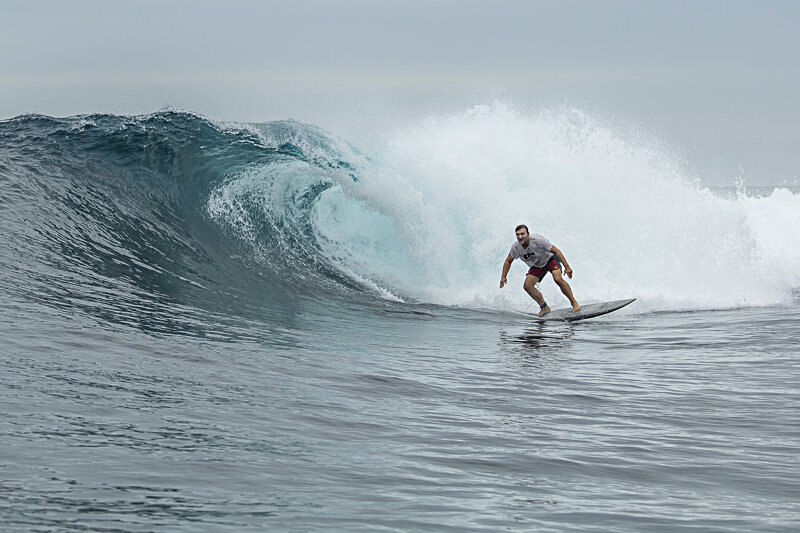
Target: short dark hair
520,227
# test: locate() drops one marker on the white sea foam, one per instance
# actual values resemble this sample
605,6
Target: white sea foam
434,221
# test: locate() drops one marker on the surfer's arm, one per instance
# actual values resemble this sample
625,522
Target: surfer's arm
560,256
506,266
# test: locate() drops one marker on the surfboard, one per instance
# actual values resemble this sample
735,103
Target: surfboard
587,311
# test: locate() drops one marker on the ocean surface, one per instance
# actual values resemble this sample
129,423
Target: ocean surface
263,327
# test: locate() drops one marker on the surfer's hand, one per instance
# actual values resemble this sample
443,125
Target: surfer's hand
503,282
568,272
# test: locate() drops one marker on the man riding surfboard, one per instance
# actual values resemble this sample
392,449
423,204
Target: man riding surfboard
542,257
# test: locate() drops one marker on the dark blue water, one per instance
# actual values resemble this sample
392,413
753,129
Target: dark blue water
168,368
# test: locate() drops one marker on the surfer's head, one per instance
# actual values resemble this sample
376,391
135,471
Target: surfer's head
523,236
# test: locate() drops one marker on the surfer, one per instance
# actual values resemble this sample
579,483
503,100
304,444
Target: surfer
542,257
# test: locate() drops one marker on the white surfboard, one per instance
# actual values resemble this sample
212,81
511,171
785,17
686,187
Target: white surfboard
587,311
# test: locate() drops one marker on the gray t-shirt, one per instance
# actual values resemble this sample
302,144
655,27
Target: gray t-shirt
537,254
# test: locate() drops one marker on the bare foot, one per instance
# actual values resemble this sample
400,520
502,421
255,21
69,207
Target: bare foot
576,308
544,311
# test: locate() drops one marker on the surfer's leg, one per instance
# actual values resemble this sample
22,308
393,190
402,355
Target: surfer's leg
566,289
530,288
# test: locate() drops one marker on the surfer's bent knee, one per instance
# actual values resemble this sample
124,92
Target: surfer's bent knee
530,279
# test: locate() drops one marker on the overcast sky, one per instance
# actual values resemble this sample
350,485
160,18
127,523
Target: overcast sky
718,80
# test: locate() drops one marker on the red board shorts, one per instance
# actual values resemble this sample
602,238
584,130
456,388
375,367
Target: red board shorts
541,272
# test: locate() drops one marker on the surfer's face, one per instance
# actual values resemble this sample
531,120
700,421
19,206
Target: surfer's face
522,236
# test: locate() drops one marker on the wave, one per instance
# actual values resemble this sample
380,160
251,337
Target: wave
431,219
120,214
107,214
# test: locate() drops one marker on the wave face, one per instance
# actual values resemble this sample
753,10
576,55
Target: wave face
108,214
144,218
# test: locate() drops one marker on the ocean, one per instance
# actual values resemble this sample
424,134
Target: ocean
265,327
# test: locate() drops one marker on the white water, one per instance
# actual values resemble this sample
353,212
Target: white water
433,220
630,220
